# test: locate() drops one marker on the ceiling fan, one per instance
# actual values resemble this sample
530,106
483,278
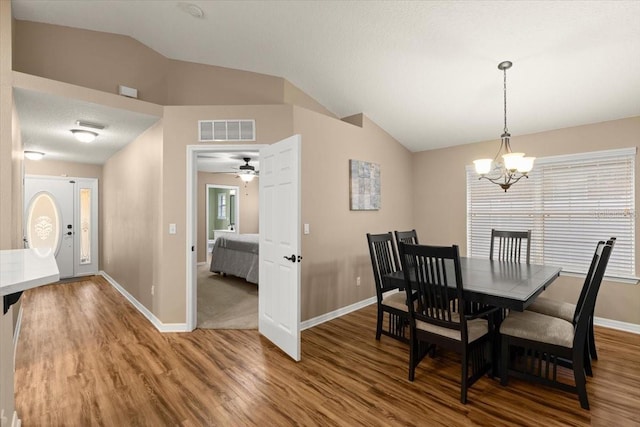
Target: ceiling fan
247,171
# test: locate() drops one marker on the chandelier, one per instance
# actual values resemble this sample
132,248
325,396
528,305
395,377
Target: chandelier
514,166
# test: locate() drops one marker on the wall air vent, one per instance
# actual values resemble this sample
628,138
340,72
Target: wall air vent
226,130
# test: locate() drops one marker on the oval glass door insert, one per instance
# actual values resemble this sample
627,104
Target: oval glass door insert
43,223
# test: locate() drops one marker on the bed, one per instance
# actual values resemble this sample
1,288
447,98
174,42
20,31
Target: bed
236,254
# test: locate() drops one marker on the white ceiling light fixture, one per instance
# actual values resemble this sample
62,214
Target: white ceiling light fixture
246,176
514,166
84,135
33,155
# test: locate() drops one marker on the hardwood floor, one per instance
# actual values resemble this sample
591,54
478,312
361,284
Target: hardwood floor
87,357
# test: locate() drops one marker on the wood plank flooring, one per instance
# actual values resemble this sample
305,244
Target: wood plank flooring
87,357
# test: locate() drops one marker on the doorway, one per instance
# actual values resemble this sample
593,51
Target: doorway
222,212
61,216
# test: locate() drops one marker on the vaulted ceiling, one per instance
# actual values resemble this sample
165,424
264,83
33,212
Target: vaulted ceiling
426,72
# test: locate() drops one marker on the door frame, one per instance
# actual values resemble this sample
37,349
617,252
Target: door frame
192,220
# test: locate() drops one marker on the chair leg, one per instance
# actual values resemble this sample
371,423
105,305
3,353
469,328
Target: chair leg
504,362
580,379
587,361
413,349
463,380
592,341
379,323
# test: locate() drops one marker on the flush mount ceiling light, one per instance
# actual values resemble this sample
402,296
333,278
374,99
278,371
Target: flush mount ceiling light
84,135
514,166
33,155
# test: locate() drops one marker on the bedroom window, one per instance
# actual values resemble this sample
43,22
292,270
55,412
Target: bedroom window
222,205
569,203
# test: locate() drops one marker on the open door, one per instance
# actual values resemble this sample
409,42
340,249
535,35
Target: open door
279,295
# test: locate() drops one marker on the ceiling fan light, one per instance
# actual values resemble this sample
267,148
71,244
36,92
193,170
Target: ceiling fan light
33,155
246,177
483,166
84,135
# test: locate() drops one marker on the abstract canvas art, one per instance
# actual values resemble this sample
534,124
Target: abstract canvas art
365,185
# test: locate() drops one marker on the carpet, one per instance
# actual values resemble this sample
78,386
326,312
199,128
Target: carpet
226,302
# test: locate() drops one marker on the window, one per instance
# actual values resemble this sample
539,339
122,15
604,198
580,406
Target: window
222,205
569,203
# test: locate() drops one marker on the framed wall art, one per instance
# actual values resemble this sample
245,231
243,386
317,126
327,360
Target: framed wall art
364,191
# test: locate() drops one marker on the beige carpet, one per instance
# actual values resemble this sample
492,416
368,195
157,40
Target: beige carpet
226,302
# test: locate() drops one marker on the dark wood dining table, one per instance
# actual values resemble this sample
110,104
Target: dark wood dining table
503,284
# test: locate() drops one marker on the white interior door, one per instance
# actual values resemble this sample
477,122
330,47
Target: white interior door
61,214
279,295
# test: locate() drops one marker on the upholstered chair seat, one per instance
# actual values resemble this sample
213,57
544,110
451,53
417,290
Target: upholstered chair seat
397,300
538,327
476,328
550,307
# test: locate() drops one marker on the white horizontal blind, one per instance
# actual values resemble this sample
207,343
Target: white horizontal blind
569,203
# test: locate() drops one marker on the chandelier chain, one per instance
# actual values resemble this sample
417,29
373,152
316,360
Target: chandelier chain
505,101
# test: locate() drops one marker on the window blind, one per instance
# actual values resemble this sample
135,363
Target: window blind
569,203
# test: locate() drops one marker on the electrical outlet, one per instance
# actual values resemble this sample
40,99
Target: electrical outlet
153,289
358,281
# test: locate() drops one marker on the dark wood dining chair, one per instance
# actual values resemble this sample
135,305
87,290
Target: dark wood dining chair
567,311
410,236
507,245
431,274
384,260
545,341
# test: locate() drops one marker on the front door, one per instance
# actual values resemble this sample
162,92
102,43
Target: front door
279,296
61,216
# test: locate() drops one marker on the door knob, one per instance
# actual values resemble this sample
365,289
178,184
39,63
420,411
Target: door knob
291,258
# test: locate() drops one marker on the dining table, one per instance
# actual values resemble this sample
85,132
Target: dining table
504,284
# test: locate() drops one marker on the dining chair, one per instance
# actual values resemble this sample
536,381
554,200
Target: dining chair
431,274
545,341
567,311
508,245
384,260
410,236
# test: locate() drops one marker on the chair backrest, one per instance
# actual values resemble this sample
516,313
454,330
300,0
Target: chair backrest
384,260
432,277
508,245
589,276
584,311
410,237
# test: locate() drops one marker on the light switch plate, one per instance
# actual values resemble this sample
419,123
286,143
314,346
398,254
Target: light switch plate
172,229
306,229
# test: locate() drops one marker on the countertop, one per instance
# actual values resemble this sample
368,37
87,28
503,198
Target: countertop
22,269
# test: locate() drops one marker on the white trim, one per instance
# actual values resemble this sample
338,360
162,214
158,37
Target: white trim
202,263
15,421
627,280
590,155
192,221
616,324
162,327
337,313
16,335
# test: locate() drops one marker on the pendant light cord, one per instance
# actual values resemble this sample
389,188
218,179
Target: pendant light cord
505,101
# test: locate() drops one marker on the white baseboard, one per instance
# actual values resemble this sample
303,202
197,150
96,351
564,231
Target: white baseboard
16,335
615,324
336,313
202,263
162,327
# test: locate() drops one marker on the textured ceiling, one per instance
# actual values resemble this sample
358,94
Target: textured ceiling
426,72
46,122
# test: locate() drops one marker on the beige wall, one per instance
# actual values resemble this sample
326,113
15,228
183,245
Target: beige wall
294,96
132,210
335,252
440,199
71,169
248,199
90,58
273,123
